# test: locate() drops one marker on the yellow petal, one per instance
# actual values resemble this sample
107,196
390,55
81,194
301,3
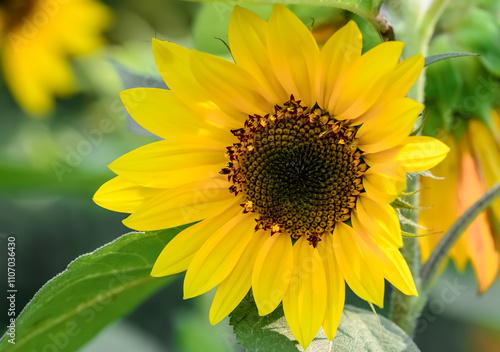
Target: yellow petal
162,113
272,272
488,156
304,303
483,250
388,260
229,84
365,279
421,153
335,287
385,182
364,81
479,242
402,78
398,273
51,36
469,189
165,165
380,219
25,78
438,212
484,254
180,251
218,256
293,53
234,288
247,39
487,152
389,125
121,195
173,62
87,18
340,50
381,157
181,205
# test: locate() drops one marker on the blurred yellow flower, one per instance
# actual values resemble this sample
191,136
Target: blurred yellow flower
289,159
472,167
36,39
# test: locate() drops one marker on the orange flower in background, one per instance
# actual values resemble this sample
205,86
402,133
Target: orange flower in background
287,159
37,37
472,167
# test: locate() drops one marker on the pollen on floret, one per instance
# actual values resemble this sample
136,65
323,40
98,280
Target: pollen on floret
299,169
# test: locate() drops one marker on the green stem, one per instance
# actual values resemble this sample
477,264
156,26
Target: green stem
416,33
403,308
430,270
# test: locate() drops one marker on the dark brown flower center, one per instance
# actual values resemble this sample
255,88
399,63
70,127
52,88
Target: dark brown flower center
15,11
299,170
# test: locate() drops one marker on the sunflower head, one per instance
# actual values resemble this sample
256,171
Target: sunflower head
289,158
298,168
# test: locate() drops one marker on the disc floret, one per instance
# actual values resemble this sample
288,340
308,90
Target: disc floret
299,170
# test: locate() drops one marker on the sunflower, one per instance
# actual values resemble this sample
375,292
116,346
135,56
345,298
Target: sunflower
472,167
287,159
36,39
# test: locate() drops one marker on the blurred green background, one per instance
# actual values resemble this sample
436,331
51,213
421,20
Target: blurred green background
51,167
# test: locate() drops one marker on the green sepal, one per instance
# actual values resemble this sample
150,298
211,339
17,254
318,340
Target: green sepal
401,204
438,57
404,220
409,194
426,173
427,113
414,235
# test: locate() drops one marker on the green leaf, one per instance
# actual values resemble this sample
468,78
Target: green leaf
438,57
478,29
95,290
257,333
358,330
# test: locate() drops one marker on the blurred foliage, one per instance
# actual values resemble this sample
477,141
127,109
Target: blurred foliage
466,87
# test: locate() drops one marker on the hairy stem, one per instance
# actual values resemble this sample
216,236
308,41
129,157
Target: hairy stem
416,33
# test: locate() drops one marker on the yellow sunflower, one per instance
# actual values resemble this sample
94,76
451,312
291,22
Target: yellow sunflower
472,167
36,39
289,159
